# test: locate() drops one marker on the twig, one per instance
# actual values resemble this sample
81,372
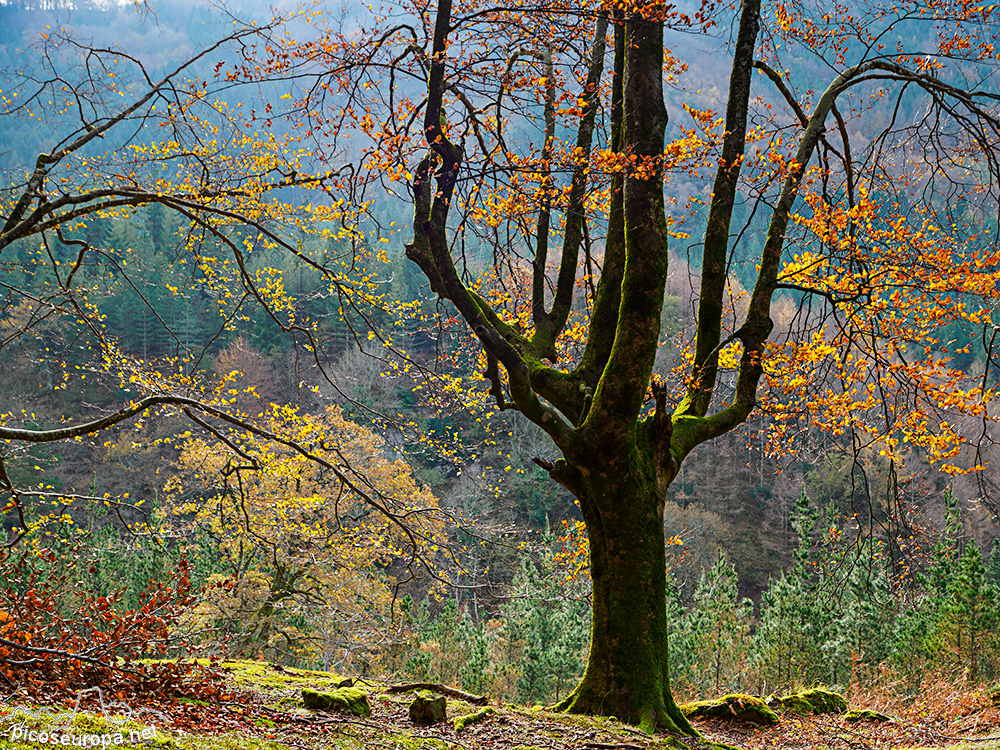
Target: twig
940,736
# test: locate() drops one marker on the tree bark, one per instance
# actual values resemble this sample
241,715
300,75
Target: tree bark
627,672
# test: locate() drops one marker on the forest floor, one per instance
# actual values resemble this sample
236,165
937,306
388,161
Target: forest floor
261,709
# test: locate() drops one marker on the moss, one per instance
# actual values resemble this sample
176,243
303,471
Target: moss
350,699
262,675
409,742
231,742
741,708
864,714
994,694
463,721
192,701
814,701
13,724
17,725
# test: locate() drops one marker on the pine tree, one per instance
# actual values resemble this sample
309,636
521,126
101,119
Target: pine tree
993,566
720,626
475,675
788,640
679,638
970,616
860,624
546,627
918,633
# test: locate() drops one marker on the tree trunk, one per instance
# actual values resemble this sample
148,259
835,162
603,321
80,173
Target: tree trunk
627,673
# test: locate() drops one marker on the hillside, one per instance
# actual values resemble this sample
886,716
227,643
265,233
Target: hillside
260,708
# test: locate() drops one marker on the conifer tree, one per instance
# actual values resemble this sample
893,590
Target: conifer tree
993,566
917,631
720,627
549,620
680,635
475,675
969,616
859,621
787,645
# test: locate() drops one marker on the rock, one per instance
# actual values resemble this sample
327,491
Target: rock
864,714
814,701
350,699
428,708
741,708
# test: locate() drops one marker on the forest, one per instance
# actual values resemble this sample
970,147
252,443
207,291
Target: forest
527,356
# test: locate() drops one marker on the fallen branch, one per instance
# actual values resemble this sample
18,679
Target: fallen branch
479,700
61,656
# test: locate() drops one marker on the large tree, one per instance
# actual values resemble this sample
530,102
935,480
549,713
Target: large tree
518,126
513,132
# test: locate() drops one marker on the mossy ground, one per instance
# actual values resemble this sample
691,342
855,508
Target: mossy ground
124,733
265,712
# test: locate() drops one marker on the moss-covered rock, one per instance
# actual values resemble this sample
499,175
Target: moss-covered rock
463,721
428,708
814,701
741,708
350,699
864,714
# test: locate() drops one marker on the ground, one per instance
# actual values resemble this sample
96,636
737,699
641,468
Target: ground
261,709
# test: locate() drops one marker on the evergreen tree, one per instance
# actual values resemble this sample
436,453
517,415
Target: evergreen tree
788,640
549,621
970,617
993,566
917,640
475,675
679,637
781,641
720,627
860,624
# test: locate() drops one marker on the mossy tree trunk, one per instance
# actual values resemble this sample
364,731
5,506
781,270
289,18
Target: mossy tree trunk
617,464
627,671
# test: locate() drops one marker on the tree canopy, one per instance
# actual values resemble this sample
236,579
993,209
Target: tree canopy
845,208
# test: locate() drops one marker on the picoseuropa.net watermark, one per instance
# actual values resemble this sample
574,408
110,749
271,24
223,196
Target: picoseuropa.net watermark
27,726
20,733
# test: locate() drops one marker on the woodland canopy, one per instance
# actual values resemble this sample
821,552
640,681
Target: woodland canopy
832,208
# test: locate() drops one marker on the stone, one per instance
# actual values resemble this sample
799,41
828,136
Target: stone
864,714
428,708
814,701
350,699
746,709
